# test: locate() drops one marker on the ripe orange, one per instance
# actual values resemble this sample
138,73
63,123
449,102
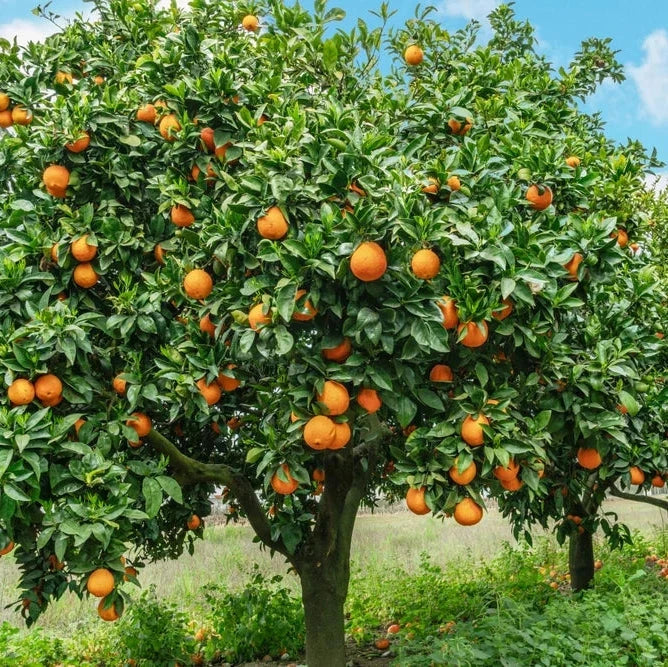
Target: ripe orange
119,385
194,522
540,197
7,549
48,388
257,318
454,183
182,216
318,475
78,424
415,500
413,55
21,116
169,126
4,101
320,432
342,437
198,284
129,572
147,114
159,254
99,80
382,644
502,312
514,484
393,629
621,236
368,262
467,512
598,564
109,614
369,400
338,353
220,151
441,373
637,475
6,119
140,423
250,23
82,251
211,392
474,336
335,397
56,179
457,127
573,161
589,458
281,487
21,392
226,382
506,473
63,77
466,476
100,582
658,481
425,264
306,311
472,433
433,187
207,326
448,307
273,224
572,265
79,145
85,276
206,137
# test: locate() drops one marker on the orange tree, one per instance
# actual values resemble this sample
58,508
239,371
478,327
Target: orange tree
240,257
552,392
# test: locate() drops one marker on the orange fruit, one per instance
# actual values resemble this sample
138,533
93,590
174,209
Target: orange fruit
454,183
169,126
506,473
306,311
572,265
539,197
79,145
198,284
210,392
159,254
339,353
502,312
472,433
147,114
207,326
48,388
21,392
433,187
273,224
382,644
226,382
281,487
56,179
474,336
257,318
63,77
368,262
109,614
85,276
425,264
598,564
394,628
621,236
100,582
467,512
4,101
119,385
413,55
460,128
318,475
250,23
637,475
514,484
206,137
369,400
342,437
441,373
658,481
448,307
21,116
55,564
466,476
335,398
82,251
589,458
415,500
194,522
140,423
130,572
78,424
6,119
319,432
182,216
573,161
220,151
7,549
99,80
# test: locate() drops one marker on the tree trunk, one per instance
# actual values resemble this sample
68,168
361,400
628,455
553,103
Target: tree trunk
324,590
581,560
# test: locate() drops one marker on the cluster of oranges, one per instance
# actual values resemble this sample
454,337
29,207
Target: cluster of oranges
9,115
48,389
590,459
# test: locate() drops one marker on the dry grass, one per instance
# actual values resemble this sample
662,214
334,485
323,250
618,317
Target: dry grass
381,541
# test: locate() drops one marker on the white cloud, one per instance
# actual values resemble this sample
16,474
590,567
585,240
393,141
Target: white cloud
468,9
651,78
27,30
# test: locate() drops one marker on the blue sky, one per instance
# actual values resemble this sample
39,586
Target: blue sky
638,108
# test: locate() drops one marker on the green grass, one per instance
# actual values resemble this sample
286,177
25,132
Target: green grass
416,571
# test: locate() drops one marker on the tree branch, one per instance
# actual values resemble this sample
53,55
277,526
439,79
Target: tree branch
189,471
650,500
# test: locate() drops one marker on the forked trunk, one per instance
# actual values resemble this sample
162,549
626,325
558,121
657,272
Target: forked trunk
581,560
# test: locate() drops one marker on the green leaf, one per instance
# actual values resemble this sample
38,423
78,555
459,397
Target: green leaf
15,493
507,287
629,403
284,340
254,454
406,411
130,140
152,495
171,487
6,456
481,373
22,205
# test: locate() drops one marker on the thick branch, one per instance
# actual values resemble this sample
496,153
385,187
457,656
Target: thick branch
189,471
650,500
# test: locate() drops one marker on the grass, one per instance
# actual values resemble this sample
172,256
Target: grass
417,571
